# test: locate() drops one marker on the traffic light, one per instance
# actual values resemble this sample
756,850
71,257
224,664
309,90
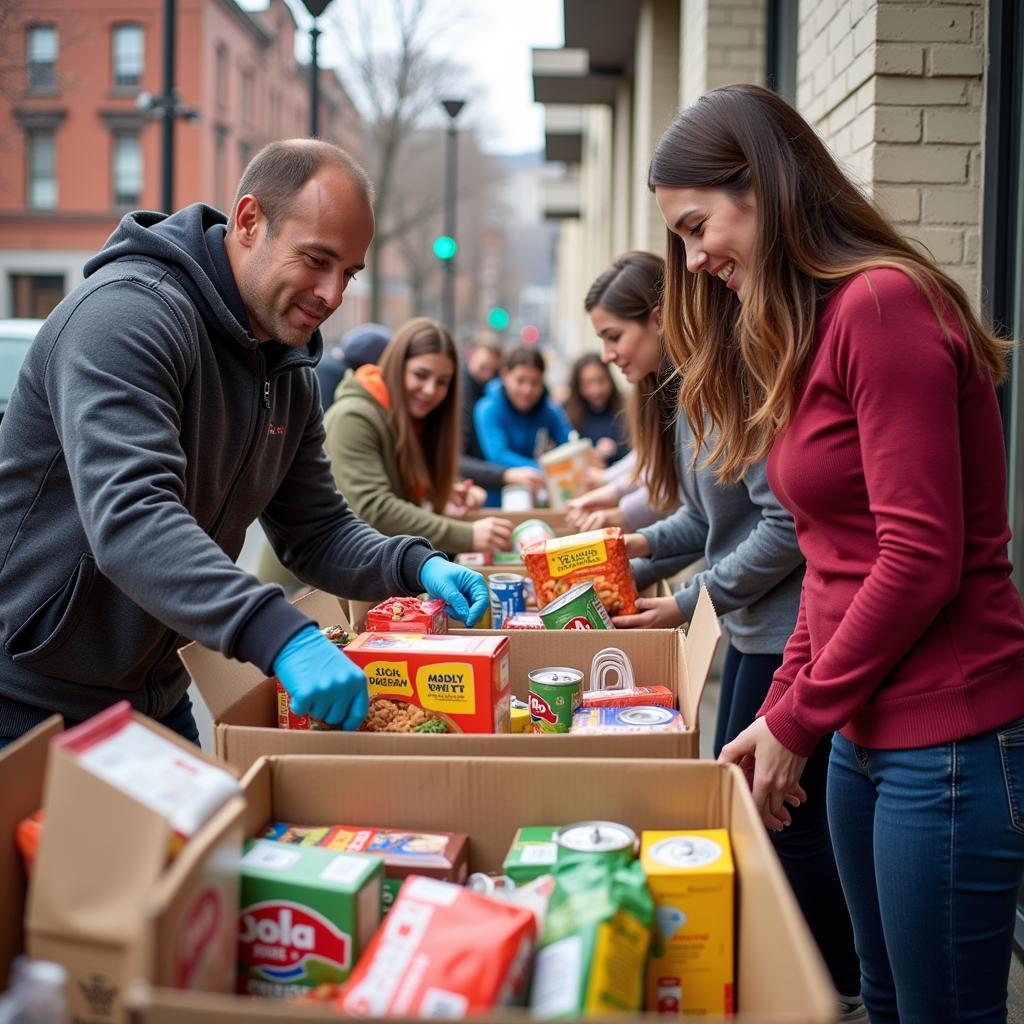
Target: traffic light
498,318
530,334
445,247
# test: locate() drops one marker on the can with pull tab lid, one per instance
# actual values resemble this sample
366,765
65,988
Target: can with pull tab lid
607,840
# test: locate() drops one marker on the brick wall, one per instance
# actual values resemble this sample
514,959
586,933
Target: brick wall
722,43
897,91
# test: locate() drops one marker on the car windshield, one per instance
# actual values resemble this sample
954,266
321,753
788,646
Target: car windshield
12,355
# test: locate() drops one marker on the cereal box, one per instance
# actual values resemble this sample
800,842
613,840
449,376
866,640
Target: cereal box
434,684
440,855
600,555
690,875
306,916
407,615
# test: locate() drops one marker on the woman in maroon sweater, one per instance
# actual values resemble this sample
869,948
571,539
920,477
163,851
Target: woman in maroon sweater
809,330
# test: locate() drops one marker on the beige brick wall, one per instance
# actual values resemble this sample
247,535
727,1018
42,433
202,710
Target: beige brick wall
897,91
722,42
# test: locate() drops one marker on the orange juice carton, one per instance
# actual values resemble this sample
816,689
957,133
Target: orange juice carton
434,683
691,877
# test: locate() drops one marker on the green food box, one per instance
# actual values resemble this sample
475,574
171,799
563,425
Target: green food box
306,916
533,853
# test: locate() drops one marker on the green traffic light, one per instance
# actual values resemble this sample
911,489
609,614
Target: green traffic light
445,247
498,319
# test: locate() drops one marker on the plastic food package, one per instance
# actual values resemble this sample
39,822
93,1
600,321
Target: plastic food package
600,555
443,951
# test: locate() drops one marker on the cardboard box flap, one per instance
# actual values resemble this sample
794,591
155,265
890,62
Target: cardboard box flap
74,893
701,642
223,681
22,773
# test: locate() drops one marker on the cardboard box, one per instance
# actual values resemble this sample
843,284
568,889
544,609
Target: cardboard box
22,773
780,976
242,701
103,901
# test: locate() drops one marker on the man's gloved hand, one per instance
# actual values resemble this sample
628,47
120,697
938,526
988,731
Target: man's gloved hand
462,590
321,681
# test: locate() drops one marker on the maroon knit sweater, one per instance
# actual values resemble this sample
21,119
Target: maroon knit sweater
910,630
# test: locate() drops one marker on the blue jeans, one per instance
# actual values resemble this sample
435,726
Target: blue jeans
930,848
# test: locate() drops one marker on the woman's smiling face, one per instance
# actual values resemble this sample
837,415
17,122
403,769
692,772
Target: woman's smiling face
633,346
717,232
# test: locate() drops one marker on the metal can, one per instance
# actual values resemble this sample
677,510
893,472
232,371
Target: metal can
508,596
516,498
647,716
607,839
555,694
520,716
530,530
578,608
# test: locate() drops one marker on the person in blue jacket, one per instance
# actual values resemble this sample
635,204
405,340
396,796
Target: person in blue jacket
516,420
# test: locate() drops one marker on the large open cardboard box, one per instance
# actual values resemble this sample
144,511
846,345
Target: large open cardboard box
103,901
779,973
243,702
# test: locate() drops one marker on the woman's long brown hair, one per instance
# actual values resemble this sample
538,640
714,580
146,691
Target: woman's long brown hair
631,288
427,463
742,365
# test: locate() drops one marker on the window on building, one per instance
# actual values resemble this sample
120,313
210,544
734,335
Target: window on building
126,168
220,136
129,53
35,295
247,96
221,76
41,56
41,153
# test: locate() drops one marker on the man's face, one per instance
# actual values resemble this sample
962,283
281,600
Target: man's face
483,364
292,280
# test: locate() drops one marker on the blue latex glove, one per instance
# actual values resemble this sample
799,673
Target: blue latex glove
463,591
321,681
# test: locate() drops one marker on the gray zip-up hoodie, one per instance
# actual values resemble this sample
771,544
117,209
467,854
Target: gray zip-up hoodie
755,569
146,432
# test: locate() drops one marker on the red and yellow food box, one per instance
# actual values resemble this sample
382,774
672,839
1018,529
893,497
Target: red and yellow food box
407,615
434,683
600,555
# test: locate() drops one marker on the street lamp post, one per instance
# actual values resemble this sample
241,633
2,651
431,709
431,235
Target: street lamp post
315,8
452,109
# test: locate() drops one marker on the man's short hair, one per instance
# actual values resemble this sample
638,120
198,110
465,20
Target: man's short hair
277,173
486,340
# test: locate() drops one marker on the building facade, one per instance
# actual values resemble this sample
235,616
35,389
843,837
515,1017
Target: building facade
81,148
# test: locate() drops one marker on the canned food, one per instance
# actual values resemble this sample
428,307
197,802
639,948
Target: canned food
508,597
529,531
598,721
602,838
578,608
555,694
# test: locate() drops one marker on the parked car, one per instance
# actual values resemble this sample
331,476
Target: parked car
15,338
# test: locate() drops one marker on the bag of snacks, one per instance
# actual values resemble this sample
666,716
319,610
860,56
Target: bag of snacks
556,565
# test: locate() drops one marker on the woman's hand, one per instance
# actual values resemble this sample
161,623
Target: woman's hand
492,534
465,497
598,520
607,448
637,546
527,476
653,613
605,496
772,770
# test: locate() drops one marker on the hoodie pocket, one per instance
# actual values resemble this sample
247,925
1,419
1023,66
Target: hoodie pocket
87,632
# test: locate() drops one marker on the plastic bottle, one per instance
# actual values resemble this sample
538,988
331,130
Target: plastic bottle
38,993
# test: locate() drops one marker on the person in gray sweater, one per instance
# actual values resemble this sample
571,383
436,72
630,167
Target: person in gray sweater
754,574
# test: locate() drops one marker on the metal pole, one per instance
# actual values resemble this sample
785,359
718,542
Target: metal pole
451,162
314,82
168,108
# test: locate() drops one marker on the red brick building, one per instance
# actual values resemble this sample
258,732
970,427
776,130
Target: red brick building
77,149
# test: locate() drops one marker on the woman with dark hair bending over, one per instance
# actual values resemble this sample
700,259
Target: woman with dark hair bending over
595,407
808,330
753,575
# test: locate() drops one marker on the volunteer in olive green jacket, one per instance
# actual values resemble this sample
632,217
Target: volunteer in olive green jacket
395,458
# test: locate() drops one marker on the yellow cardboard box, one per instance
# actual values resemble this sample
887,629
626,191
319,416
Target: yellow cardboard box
691,878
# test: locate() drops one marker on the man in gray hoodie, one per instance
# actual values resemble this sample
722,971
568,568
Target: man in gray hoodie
167,402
